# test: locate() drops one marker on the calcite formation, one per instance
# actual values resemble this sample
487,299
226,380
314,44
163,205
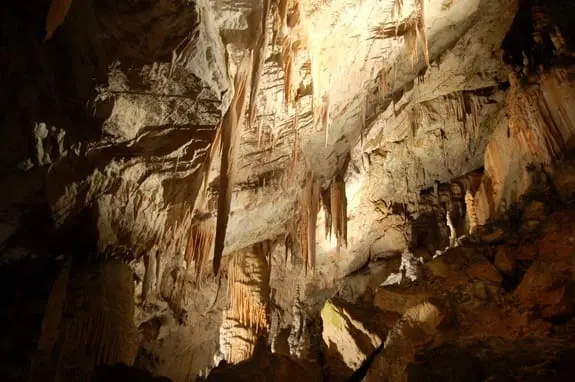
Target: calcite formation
223,168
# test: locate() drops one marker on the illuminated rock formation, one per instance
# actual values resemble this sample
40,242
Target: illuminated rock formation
246,321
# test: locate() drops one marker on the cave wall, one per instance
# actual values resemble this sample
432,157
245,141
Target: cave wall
108,131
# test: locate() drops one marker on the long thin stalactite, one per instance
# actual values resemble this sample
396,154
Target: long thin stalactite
229,143
258,60
326,205
309,207
338,207
412,28
56,16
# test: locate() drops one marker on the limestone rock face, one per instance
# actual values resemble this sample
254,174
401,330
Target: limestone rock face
272,368
346,339
520,360
548,283
398,299
505,260
413,330
421,128
549,287
564,180
460,265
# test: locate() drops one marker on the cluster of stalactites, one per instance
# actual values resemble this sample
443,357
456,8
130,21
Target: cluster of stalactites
287,17
334,203
246,320
248,279
412,28
200,246
88,322
338,212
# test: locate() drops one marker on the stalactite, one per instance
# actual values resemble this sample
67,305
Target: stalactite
199,206
258,60
422,34
541,127
309,208
475,116
199,247
397,8
338,209
248,290
56,16
326,204
229,143
207,165
295,149
248,284
468,105
288,244
282,15
260,129
410,40
411,28
324,116
543,131
363,121
383,84
98,327
287,63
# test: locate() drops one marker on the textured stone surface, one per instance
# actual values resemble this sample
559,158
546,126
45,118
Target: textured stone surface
348,342
106,129
505,260
413,330
271,368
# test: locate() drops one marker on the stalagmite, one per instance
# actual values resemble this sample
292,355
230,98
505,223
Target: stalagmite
298,339
452,231
237,342
471,211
